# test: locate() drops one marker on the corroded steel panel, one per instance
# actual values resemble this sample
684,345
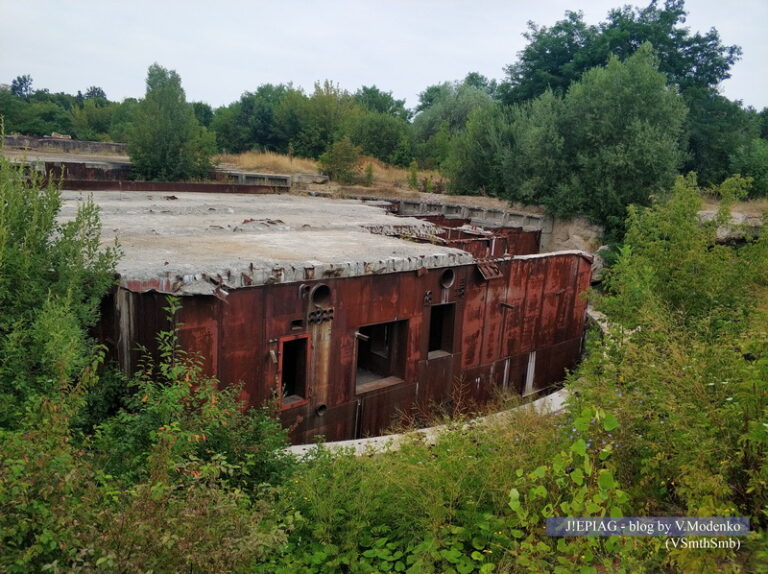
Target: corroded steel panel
243,352
438,374
532,306
199,331
552,362
472,320
495,321
379,409
305,423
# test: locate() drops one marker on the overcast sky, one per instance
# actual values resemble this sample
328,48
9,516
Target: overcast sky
222,49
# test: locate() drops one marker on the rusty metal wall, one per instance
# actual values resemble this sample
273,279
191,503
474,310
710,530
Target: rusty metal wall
501,311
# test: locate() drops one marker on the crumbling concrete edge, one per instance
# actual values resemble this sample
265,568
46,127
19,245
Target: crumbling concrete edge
552,403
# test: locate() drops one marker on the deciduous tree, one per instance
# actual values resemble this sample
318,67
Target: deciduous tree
166,142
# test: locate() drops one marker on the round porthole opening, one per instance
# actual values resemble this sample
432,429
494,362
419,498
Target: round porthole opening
447,278
320,295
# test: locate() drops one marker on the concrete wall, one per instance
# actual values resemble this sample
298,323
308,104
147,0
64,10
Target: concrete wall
64,145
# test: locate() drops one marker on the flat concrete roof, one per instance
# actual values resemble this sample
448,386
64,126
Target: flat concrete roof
192,243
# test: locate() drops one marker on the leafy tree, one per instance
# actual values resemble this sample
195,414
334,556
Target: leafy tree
166,142
250,122
122,119
477,153
557,56
689,60
374,100
554,58
327,109
535,164
203,113
21,86
751,160
95,93
342,161
93,120
715,128
764,123
479,81
379,135
450,106
52,277
431,95
612,140
622,128
39,118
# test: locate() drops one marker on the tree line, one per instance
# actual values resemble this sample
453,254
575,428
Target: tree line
588,119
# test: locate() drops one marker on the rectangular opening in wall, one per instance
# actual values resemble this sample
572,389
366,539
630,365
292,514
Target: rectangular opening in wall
381,351
293,369
441,321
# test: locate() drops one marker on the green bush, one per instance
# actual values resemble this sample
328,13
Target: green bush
342,161
751,160
53,275
179,416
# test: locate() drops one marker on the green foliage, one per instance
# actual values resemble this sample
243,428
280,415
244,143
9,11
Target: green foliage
122,119
715,129
613,140
379,135
413,175
671,263
60,512
93,120
751,160
534,162
558,56
177,419
554,58
21,86
426,508
342,161
203,113
95,93
580,481
373,99
165,140
252,122
368,177
52,277
444,113
622,128
477,154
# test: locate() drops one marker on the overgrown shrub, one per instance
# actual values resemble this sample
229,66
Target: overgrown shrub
342,161
53,274
176,410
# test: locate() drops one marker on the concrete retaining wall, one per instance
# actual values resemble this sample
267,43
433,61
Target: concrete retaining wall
64,145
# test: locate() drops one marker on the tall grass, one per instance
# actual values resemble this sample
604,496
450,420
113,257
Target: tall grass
269,162
384,175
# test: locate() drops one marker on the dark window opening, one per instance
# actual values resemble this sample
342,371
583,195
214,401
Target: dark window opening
293,369
381,351
441,329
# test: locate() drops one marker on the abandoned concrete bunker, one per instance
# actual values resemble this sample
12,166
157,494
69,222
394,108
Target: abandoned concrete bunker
346,311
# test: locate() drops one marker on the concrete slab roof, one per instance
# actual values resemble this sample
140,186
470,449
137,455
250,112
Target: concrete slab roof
191,243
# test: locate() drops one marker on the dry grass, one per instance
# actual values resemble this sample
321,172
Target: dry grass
268,162
753,207
388,175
